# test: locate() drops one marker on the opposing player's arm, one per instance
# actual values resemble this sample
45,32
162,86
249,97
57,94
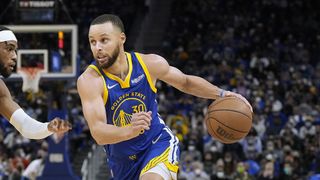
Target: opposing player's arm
194,85
27,126
8,106
94,112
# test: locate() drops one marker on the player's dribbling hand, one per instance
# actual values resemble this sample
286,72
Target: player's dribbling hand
229,93
58,125
139,122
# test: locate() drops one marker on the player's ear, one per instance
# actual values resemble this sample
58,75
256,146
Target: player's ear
123,37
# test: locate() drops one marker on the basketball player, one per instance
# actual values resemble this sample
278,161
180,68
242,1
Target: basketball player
118,96
27,126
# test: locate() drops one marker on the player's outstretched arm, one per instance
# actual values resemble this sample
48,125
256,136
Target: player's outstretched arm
27,126
194,85
90,88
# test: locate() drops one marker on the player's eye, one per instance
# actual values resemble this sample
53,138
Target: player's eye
93,42
105,40
10,49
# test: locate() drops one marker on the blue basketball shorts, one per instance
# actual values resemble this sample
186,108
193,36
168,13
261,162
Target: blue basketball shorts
164,148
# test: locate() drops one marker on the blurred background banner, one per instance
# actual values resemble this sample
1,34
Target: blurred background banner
57,164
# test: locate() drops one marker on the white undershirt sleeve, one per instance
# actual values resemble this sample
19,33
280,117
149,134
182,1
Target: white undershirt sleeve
29,127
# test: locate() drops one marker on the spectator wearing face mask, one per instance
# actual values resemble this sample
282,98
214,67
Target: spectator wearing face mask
289,128
276,120
307,129
252,145
185,168
267,172
273,149
287,172
290,166
259,124
192,151
193,170
218,171
211,144
198,172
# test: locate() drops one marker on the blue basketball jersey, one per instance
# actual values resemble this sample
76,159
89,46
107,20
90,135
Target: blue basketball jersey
122,99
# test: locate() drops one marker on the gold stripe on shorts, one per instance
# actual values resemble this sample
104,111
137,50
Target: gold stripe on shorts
163,158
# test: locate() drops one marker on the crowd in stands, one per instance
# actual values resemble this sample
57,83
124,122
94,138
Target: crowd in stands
21,158
266,50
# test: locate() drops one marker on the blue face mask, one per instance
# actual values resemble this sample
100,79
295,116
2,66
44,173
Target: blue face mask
308,124
287,170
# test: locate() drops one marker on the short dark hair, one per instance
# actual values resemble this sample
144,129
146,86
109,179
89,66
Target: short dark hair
114,19
4,28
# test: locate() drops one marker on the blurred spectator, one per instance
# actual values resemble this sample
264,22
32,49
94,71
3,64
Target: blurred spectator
218,171
252,145
267,171
197,172
193,152
34,169
308,129
242,173
230,164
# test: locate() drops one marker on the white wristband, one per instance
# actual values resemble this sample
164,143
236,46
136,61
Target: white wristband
222,93
29,127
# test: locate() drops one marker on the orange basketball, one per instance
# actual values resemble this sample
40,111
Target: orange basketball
228,119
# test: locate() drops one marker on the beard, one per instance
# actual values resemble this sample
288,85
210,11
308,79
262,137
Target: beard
3,71
111,60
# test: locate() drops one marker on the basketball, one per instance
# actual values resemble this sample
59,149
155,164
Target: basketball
228,119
